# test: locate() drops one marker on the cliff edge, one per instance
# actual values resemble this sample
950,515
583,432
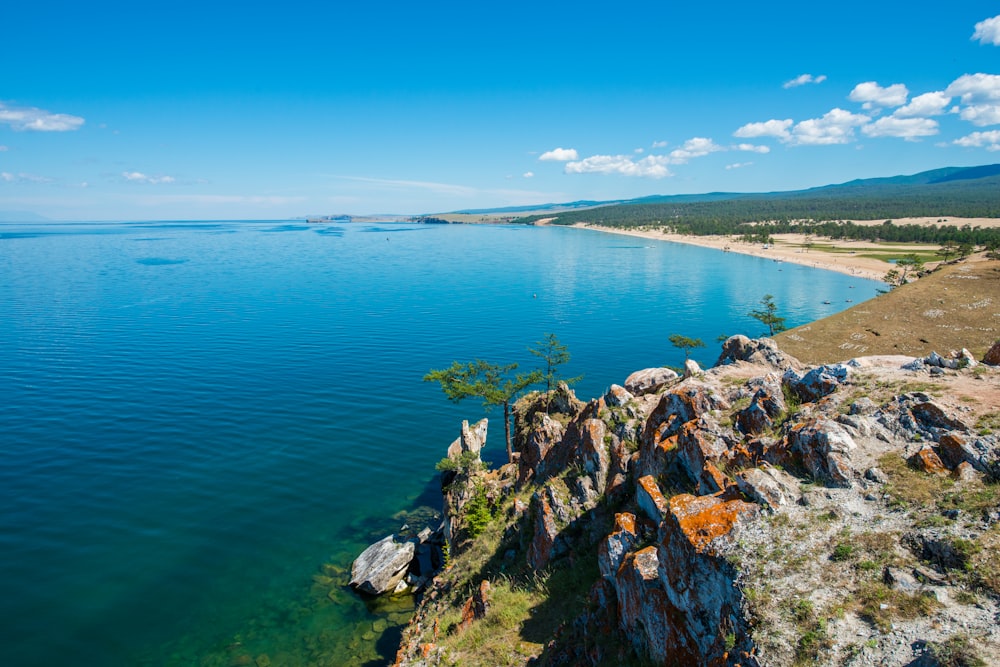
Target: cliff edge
761,512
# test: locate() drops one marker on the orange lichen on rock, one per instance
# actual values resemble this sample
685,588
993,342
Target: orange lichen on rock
650,499
703,519
928,461
624,521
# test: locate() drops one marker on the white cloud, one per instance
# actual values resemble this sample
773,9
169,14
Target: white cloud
639,151
738,165
982,114
529,174
873,95
990,139
974,88
906,128
803,79
22,177
651,166
835,127
752,148
692,148
559,155
980,93
660,144
928,104
988,31
39,120
769,128
139,177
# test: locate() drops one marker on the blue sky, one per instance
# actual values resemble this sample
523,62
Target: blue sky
187,110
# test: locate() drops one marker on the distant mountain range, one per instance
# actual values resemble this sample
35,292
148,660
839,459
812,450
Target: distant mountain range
980,184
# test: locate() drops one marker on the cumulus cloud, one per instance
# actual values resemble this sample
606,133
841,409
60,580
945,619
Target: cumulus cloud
38,120
651,166
874,96
528,174
692,148
752,148
559,155
769,128
906,128
738,165
990,139
139,177
988,31
660,144
835,127
980,93
928,104
803,79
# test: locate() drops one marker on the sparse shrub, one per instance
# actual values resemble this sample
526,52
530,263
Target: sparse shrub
956,651
842,552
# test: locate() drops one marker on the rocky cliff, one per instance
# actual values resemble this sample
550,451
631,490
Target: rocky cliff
757,513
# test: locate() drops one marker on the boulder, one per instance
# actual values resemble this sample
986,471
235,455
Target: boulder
823,448
767,403
769,486
817,383
927,460
594,451
382,566
691,368
617,396
992,356
613,548
759,351
649,380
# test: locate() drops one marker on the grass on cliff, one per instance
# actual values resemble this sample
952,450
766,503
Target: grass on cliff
525,607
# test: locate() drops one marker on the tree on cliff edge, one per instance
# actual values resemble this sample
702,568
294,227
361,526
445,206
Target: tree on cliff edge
495,384
768,315
554,354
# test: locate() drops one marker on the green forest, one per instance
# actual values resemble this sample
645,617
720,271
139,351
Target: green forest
962,193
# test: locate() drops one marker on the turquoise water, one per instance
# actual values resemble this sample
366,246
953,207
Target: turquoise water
201,424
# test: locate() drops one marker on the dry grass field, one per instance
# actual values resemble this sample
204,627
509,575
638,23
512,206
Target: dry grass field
954,307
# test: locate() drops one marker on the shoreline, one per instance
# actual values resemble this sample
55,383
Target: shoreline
786,248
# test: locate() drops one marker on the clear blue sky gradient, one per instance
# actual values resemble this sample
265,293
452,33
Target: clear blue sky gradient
192,111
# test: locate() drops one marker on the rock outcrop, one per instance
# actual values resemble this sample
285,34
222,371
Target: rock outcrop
829,515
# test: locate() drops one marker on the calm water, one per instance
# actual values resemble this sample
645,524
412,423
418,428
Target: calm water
201,424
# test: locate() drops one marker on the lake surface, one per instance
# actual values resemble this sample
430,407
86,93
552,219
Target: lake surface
202,424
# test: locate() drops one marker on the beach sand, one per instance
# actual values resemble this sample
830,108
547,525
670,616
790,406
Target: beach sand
786,248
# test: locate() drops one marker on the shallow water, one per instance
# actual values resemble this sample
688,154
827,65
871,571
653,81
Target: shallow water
202,424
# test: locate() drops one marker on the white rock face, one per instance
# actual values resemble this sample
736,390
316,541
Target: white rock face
382,566
649,380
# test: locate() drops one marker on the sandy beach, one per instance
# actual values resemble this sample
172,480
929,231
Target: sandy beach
785,248
792,247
